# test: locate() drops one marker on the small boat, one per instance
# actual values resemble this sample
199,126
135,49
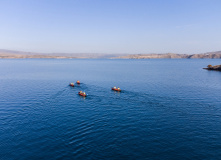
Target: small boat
78,82
71,84
116,89
82,94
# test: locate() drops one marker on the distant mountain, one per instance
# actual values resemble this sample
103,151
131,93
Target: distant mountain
5,51
210,55
154,56
19,54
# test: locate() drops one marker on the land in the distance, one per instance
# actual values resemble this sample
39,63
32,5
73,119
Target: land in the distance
211,55
9,54
216,67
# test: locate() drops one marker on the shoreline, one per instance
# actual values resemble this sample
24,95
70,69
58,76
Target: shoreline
30,55
214,68
9,54
146,56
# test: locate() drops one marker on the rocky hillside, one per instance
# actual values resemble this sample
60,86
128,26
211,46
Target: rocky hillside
210,67
153,56
211,55
19,54
9,54
172,55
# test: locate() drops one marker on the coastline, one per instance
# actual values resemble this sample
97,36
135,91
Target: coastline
215,68
8,54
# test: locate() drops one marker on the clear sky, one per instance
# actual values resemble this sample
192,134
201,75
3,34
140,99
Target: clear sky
111,26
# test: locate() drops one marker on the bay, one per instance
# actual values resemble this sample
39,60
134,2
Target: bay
168,109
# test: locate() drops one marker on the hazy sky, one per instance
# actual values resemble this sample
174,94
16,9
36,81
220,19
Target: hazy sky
111,26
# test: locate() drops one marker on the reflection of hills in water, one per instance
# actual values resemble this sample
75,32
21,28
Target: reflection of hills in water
20,54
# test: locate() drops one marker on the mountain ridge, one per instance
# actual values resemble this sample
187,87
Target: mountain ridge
11,54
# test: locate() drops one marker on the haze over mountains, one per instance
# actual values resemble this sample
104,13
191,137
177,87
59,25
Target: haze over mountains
10,54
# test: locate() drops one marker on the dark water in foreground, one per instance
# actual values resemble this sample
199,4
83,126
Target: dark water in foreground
168,109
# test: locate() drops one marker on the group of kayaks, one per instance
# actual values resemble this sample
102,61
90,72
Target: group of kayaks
80,92
84,94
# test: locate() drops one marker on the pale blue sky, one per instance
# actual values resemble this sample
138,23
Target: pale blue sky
111,26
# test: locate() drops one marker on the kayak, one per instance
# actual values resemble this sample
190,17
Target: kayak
116,89
82,94
71,84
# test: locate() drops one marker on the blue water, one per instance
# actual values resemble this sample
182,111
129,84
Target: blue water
168,109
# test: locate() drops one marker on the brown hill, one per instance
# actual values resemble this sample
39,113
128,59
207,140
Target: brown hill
210,55
19,54
10,54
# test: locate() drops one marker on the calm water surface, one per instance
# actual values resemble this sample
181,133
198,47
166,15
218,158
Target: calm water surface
168,109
